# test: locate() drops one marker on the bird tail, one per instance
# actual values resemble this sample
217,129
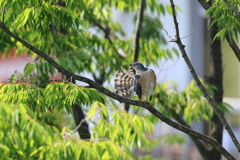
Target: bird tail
124,83
128,93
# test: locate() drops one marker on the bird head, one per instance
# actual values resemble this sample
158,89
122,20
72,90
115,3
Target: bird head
138,67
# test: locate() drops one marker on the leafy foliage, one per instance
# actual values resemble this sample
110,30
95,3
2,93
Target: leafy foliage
23,137
55,96
188,104
117,130
76,36
31,138
122,128
226,18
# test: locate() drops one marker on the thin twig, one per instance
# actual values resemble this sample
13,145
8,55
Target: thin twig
187,35
105,91
232,7
198,82
51,80
89,118
169,37
80,124
107,32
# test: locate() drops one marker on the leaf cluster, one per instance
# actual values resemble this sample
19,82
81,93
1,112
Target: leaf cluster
120,127
75,34
225,18
55,96
23,107
23,137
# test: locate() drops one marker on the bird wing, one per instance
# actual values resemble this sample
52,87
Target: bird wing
137,86
154,75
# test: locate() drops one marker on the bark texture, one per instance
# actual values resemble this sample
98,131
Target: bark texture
215,77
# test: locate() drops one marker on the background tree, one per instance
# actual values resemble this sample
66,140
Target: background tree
81,37
220,29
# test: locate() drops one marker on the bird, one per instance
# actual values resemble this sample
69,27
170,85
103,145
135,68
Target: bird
139,81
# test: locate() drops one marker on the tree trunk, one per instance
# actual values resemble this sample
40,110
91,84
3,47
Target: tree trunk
78,116
215,78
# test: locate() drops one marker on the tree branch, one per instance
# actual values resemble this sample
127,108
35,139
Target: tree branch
138,29
234,46
232,7
201,148
198,82
204,4
103,90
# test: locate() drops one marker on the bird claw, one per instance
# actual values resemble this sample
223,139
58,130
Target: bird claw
146,102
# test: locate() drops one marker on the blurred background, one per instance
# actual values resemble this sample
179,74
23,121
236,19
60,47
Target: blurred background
190,18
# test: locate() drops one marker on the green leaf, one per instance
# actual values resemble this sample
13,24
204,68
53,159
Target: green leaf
13,78
210,10
169,9
22,18
220,33
92,112
175,51
28,69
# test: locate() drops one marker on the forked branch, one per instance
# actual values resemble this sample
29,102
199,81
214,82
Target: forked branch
198,82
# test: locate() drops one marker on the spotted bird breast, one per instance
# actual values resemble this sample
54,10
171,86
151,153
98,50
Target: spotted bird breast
147,82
